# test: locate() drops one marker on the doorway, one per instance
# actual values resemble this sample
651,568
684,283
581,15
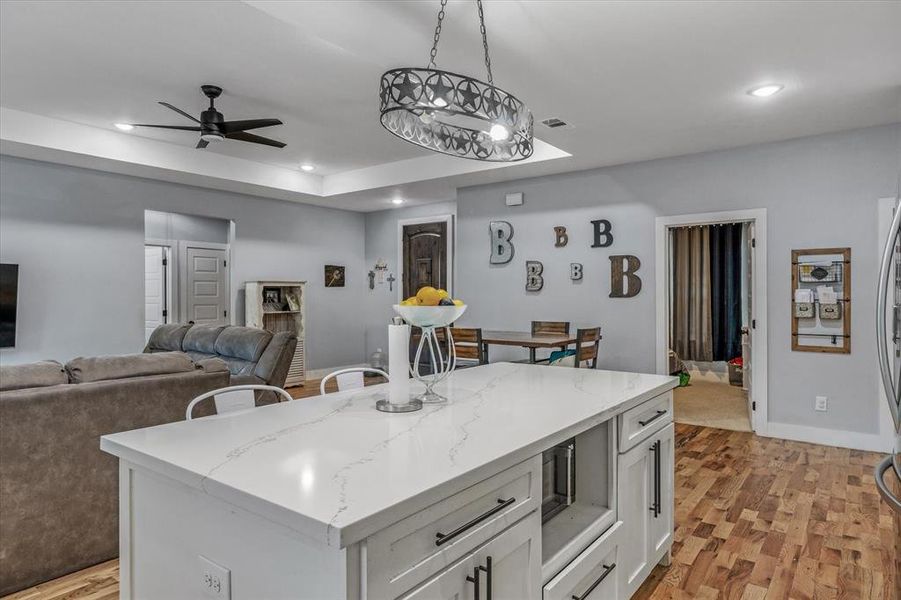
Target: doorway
425,254
187,269
711,317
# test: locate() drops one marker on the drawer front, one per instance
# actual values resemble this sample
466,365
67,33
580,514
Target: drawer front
411,550
591,575
638,423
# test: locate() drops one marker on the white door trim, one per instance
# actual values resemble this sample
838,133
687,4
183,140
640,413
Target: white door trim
172,287
183,246
450,267
758,297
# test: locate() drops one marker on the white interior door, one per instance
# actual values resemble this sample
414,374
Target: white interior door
154,288
206,285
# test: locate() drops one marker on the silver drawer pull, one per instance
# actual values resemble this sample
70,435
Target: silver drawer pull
607,571
659,414
443,538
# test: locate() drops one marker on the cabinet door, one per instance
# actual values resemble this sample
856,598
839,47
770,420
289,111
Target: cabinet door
660,530
506,568
633,501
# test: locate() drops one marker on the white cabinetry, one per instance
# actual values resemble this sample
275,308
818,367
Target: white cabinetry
506,568
645,501
279,306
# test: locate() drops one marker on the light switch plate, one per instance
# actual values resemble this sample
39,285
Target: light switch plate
215,580
514,199
822,404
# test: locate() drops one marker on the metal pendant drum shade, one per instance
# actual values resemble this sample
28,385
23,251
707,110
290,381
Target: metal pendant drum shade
455,114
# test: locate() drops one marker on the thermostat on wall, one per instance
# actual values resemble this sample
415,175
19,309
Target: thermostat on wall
514,199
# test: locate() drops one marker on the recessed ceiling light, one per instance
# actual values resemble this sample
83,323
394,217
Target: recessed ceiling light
307,168
765,91
397,201
124,127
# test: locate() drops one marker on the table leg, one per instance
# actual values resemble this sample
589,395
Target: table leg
531,355
485,353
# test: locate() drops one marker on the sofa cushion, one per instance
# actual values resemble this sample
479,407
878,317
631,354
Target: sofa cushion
168,337
32,375
105,368
202,338
246,343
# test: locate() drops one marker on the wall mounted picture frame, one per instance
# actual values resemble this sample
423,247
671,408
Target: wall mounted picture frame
334,276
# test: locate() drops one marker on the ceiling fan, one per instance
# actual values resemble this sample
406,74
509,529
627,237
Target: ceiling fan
214,128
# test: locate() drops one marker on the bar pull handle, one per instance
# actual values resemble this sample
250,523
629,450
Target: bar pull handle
487,570
443,538
656,416
607,570
656,506
474,579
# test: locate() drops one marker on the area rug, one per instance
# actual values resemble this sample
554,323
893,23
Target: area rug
711,404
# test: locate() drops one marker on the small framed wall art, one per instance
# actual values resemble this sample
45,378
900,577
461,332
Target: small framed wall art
334,276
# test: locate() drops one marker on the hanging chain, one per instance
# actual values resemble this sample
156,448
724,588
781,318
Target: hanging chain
434,51
485,42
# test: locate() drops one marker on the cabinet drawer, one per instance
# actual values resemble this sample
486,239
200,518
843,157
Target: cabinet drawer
638,423
591,575
411,550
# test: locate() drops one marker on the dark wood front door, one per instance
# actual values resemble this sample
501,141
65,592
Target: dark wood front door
425,256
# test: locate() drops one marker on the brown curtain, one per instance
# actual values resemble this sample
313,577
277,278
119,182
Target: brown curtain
692,326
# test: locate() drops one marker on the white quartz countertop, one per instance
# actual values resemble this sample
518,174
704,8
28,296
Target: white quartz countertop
334,468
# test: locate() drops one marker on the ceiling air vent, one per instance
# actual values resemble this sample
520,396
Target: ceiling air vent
554,122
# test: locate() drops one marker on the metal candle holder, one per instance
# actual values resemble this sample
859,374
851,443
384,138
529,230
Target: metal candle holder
442,366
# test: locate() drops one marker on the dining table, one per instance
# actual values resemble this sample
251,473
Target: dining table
526,339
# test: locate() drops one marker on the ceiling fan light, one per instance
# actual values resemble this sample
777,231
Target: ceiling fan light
212,137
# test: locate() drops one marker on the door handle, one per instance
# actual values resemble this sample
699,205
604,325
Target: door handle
656,416
443,538
474,579
656,506
607,570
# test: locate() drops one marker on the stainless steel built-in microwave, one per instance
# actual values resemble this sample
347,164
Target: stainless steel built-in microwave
558,479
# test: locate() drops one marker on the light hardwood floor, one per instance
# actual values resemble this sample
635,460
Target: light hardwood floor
756,518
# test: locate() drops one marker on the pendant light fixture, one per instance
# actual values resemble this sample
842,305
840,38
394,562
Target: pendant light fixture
455,114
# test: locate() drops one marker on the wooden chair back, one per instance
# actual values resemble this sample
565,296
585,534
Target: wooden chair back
588,342
468,343
550,327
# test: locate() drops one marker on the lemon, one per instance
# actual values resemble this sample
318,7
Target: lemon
458,302
428,296
443,293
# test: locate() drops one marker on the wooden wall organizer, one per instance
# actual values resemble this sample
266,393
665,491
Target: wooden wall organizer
811,268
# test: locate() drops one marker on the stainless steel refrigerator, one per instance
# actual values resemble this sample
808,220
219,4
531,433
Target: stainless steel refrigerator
888,339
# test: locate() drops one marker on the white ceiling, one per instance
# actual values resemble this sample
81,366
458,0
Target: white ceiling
637,80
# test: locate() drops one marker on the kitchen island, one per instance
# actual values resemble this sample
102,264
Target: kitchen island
328,498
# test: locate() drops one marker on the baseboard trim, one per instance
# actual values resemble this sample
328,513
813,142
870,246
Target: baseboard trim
870,442
320,373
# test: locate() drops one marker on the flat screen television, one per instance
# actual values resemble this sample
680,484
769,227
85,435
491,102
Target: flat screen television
9,292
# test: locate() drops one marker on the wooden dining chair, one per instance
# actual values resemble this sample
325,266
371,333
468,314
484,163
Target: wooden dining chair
468,346
588,342
547,327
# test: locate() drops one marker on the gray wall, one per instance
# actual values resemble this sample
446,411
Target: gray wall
820,191
382,242
190,228
78,234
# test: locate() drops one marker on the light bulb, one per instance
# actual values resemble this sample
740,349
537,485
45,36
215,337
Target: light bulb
439,102
498,132
427,117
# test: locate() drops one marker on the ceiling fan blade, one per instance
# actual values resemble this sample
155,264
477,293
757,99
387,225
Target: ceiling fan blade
256,139
233,126
179,127
202,144
179,111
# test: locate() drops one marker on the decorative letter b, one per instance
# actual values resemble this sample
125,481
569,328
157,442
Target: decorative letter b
501,246
562,236
534,280
602,229
621,273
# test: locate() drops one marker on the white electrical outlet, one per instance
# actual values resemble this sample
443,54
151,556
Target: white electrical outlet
215,580
822,404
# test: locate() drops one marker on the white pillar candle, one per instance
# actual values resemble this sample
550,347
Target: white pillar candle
398,364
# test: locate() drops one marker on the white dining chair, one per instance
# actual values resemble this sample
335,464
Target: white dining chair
234,398
349,379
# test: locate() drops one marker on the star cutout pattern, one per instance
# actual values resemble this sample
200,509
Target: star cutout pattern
409,87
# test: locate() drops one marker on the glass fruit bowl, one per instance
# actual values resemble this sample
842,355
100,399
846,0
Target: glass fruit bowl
429,316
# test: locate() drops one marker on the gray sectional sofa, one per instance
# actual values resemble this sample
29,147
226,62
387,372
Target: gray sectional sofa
252,355
59,494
